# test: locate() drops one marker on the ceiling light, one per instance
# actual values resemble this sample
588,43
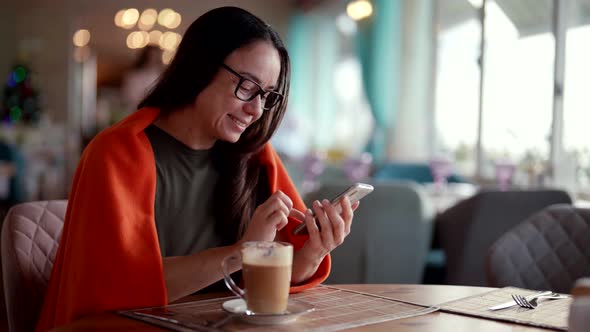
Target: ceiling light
130,17
357,10
476,3
147,19
119,18
138,39
166,17
81,37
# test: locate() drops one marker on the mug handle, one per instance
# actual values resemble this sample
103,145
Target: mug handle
229,282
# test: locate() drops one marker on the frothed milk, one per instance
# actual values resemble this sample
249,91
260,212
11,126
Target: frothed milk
266,268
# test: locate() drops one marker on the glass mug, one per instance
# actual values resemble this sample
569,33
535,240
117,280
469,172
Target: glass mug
266,270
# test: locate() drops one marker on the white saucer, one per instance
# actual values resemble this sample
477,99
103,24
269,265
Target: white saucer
294,310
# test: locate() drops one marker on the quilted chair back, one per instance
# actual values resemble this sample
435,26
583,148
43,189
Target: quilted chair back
30,237
548,251
390,235
467,230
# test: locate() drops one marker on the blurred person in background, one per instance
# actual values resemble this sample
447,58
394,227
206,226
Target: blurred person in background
160,198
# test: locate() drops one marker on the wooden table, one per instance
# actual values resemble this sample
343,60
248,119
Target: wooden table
423,294
449,195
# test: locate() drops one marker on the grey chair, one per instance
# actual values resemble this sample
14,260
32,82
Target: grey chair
390,235
467,230
30,237
548,251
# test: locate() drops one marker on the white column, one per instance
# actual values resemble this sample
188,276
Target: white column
412,137
559,32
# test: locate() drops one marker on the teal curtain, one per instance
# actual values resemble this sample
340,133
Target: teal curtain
313,48
324,93
298,44
379,46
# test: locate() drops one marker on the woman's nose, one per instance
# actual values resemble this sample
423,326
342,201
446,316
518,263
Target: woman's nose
254,107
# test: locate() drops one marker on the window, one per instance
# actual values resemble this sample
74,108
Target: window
517,85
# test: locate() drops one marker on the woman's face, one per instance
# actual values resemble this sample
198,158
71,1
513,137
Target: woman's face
218,112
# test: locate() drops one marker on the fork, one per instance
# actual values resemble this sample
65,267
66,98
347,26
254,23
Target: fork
532,303
522,302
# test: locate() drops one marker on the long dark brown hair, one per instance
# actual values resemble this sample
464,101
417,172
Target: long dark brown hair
204,47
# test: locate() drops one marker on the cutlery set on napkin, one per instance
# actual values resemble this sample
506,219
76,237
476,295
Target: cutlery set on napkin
549,295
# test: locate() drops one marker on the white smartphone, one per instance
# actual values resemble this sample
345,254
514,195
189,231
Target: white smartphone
355,193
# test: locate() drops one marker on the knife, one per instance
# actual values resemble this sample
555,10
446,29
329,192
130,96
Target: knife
512,303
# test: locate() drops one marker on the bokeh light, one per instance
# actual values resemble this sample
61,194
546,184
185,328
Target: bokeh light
81,37
166,17
167,56
147,19
130,18
19,74
155,36
177,19
15,113
170,41
359,9
119,18
138,39
10,82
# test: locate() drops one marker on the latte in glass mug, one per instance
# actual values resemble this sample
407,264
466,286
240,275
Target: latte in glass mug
266,269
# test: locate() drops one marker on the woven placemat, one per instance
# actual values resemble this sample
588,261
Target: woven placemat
335,309
551,314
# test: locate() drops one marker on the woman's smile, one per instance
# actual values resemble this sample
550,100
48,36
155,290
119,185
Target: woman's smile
240,123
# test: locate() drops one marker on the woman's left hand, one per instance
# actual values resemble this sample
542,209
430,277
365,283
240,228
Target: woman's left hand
333,227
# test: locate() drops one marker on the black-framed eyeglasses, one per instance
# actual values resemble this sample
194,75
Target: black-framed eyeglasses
246,90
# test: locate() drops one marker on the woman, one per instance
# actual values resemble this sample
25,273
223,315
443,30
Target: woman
162,197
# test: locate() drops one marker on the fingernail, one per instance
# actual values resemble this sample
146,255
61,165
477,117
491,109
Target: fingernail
308,212
317,203
325,201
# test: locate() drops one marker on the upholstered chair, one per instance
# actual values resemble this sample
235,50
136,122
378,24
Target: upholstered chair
30,237
548,251
390,234
467,230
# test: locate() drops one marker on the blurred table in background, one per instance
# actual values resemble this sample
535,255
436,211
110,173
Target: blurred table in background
582,203
447,195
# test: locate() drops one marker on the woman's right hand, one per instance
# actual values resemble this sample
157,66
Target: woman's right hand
270,217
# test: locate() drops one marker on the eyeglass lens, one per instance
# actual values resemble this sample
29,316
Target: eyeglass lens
248,90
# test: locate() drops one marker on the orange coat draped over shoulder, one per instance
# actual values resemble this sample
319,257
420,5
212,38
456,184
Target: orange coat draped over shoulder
109,256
